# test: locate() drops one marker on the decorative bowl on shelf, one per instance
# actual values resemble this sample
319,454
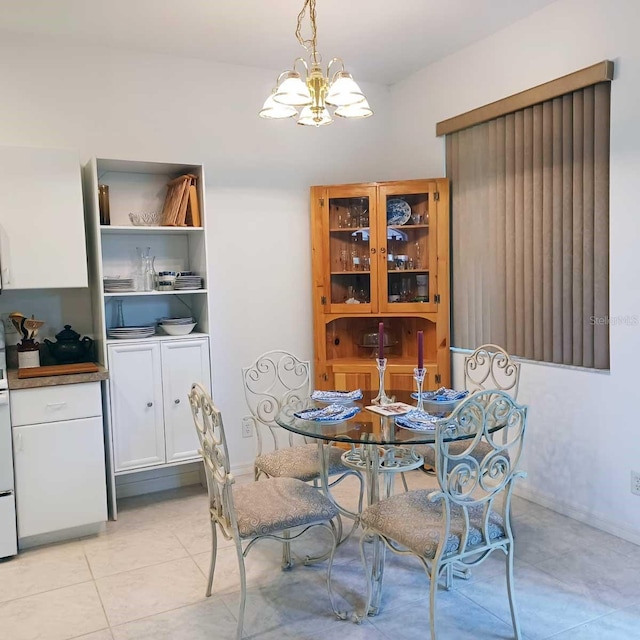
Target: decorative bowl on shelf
145,219
177,329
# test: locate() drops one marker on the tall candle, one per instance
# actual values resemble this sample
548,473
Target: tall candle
420,350
380,340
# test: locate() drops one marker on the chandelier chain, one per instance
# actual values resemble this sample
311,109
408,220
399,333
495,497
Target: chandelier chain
311,44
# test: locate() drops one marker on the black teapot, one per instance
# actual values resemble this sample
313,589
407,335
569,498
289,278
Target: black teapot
69,348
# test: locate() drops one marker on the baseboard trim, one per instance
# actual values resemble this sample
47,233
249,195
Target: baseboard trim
154,480
619,529
245,469
62,535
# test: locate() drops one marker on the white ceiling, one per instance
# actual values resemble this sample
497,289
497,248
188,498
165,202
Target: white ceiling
379,40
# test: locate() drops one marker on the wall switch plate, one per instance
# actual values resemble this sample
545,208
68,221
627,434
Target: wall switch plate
635,483
247,428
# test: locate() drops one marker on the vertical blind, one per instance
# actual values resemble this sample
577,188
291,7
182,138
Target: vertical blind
530,230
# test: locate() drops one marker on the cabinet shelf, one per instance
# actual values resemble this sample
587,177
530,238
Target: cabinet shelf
347,229
407,226
111,294
157,338
124,229
401,271
350,273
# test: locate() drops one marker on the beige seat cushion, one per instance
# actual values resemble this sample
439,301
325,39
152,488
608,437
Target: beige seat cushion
414,522
279,503
428,452
299,462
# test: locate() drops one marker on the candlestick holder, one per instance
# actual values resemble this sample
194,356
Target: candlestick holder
418,376
382,398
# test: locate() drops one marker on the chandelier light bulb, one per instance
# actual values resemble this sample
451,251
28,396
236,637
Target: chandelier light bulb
359,110
344,91
314,117
273,110
293,91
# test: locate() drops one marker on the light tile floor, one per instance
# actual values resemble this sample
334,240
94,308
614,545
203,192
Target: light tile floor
144,579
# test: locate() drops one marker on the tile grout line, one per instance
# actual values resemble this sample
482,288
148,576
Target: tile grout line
95,586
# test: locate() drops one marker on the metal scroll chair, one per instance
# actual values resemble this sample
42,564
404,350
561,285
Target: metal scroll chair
488,367
258,510
468,516
274,380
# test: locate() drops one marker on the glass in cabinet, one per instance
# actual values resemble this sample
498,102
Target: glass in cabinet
351,280
407,223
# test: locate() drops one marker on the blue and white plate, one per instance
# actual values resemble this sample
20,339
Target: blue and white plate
398,211
442,395
331,414
337,397
417,420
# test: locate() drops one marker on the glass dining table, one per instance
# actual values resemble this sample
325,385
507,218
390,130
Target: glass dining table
377,445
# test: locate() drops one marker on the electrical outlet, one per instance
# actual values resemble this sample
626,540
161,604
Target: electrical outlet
635,483
247,428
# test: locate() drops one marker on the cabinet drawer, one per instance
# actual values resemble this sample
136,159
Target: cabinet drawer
52,404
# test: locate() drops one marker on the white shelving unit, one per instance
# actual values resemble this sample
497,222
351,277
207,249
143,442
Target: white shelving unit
142,425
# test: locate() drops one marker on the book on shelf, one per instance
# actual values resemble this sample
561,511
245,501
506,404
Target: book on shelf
193,208
176,204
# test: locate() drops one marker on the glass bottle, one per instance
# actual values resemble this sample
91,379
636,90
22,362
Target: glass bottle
140,268
355,253
150,273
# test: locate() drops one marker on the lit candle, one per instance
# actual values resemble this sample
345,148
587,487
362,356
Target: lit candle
380,340
420,350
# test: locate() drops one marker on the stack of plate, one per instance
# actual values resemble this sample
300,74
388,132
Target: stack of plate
184,282
117,285
130,333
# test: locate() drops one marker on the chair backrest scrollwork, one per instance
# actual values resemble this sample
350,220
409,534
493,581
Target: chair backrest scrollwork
491,367
215,455
473,476
274,380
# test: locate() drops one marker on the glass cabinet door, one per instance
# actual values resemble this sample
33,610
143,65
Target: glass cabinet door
408,264
352,272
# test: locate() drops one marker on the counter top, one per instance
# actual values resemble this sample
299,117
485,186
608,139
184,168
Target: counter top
51,381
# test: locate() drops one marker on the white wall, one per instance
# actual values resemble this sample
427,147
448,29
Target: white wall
583,437
120,104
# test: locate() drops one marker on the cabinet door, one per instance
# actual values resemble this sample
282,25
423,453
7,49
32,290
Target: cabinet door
407,232
42,239
183,363
349,247
349,376
60,478
136,405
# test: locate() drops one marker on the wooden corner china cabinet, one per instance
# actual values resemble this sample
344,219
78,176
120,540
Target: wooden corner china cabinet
380,253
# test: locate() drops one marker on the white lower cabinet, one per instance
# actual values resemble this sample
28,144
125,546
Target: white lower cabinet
183,363
60,475
135,385
151,419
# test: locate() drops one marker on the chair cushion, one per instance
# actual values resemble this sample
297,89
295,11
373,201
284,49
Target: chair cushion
482,449
299,462
279,503
413,521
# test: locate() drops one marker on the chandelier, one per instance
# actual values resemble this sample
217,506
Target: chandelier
312,90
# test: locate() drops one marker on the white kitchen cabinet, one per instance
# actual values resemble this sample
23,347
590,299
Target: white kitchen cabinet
60,475
151,420
183,363
42,235
136,405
